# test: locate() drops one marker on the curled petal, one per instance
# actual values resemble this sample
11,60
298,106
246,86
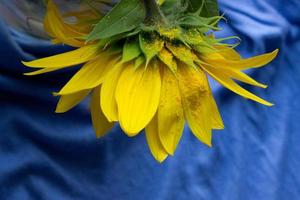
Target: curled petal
240,76
237,75
227,52
57,28
231,85
242,64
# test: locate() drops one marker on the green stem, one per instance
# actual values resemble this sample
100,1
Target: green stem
154,15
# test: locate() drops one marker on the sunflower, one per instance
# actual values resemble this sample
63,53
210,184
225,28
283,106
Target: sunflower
152,77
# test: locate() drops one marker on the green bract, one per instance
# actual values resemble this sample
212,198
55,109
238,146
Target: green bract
182,23
125,16
131,50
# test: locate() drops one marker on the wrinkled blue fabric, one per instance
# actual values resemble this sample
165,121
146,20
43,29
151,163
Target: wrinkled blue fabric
46,156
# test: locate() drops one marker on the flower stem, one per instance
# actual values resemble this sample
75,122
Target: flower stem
154,15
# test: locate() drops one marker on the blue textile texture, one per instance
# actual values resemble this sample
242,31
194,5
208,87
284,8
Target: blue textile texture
48,156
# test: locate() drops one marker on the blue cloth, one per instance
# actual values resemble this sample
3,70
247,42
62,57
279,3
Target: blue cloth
46,156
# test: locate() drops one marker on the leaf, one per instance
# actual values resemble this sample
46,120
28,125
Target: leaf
131,49
124,17
210,8
170,5
207,8
194,5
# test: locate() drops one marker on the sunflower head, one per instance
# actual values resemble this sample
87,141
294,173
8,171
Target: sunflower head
146,67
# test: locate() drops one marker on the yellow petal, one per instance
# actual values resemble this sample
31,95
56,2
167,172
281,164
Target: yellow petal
227,52
243,64
170,113
217,122
231,85
55,41
54,18
137,96
196,103
108,98
237,75
85,19
67,59
67,102
90,75
57,28
167,58
42,71
153,141
100,123
240,76
86,15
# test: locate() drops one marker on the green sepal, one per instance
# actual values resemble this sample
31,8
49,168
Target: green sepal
185,54
221,41
150,45
124,17
111,40
139,61
204,48
167,58
131,49
203,23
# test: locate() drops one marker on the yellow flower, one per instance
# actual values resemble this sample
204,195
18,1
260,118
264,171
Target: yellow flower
157,86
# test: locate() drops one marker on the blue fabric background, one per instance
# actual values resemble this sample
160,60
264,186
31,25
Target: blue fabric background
47,156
